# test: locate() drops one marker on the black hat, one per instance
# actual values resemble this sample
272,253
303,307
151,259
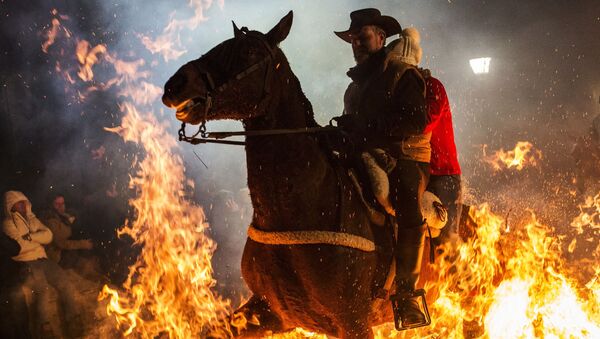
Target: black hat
370,16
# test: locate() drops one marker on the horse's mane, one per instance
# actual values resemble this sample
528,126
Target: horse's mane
308,109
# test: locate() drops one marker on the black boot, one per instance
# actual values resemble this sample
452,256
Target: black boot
408,311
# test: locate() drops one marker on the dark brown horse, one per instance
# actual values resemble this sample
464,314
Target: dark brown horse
293,186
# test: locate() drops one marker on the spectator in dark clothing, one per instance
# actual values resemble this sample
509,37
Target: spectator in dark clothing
14,318
61,224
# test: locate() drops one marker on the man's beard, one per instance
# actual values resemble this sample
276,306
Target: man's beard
361,55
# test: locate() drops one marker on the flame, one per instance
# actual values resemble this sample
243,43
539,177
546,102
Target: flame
504,284
509,285
522,155
589,216
53,32
169,287
87,58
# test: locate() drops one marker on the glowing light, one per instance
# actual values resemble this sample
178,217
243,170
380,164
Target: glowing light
480,65
521,156
87,58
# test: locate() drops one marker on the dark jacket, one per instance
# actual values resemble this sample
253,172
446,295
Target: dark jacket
389,95
9,268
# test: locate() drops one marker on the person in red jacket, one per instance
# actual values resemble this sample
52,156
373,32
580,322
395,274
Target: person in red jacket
444,179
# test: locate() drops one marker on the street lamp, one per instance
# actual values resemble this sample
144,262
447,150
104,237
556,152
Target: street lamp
480,65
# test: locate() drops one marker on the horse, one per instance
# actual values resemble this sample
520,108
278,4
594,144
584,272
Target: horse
295,186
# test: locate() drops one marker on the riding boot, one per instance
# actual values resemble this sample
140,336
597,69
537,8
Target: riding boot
409,251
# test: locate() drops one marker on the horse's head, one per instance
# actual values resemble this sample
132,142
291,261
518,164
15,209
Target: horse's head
231,81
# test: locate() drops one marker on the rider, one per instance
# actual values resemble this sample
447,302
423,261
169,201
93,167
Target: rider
385,107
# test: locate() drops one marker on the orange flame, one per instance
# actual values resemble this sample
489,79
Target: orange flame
53,32
169,287
522,155
87,58
505,285
589,216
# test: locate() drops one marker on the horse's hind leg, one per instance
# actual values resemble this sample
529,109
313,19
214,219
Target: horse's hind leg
255,320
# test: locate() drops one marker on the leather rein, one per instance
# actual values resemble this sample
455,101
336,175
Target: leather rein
216,137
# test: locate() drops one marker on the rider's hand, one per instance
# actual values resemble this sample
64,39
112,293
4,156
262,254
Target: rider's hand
350,123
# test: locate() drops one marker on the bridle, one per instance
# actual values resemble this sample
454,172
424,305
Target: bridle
207,98
266,62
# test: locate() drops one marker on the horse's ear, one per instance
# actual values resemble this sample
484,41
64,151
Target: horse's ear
278,33
236,30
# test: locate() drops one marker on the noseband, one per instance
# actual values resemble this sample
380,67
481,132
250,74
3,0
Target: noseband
266,62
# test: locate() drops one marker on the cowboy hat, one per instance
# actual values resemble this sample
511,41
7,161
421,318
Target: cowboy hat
369,16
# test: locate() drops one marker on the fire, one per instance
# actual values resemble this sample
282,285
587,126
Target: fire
87,58
522,155
507,284
169,287
52,33
590,215
510,285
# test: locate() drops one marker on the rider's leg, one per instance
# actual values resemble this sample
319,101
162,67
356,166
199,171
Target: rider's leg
407,184
448,189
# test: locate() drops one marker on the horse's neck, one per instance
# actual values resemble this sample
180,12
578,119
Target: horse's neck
286,172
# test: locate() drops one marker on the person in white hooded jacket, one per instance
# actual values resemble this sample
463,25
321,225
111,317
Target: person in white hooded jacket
21,224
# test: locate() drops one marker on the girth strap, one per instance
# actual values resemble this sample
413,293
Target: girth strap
311,238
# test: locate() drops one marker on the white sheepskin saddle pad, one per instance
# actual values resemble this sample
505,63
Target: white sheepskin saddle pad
378,164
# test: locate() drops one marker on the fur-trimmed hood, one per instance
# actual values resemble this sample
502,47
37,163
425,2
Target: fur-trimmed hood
407,48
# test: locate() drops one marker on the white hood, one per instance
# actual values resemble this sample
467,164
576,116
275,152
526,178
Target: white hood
13,197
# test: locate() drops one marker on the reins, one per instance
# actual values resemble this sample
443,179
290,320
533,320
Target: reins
216,137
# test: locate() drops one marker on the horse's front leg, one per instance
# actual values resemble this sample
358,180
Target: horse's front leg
255,320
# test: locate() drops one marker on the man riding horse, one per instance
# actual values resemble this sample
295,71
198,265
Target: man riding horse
385,108
314,257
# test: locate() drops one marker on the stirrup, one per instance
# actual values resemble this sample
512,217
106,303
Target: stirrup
398,301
